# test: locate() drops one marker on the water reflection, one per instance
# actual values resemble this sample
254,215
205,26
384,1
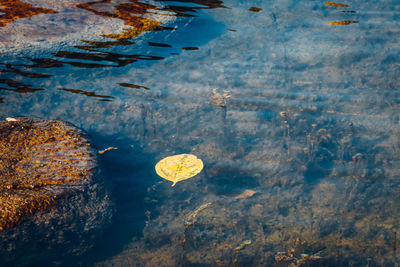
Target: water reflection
12,69
254,9
132,14
89,94
342,22
335,4
207,4
190,48
129,13
43,63
159,44
104,44
18,87
16,9
140,17
120,59
134,86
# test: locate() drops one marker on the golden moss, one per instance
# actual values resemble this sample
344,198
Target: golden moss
16,9
38,158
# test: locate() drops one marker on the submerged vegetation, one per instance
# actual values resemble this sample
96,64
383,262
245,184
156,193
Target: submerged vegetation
309,206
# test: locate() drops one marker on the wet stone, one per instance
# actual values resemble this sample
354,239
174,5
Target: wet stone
47,184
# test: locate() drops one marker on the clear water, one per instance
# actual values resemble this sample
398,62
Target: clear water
311,127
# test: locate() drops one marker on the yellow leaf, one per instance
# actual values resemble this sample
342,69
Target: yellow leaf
179,167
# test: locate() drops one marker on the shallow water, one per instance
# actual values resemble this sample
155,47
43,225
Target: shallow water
302,111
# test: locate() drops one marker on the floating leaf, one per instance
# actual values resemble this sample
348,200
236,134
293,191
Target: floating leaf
179,167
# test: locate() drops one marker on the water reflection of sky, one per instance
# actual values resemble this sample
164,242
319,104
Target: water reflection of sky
311,125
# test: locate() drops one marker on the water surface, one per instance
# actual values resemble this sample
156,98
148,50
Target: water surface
294,101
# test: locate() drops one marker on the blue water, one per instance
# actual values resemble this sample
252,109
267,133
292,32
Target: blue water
311,126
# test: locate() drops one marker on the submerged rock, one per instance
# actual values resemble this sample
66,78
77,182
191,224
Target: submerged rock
48,193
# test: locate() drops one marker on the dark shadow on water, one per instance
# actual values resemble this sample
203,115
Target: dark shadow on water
129,173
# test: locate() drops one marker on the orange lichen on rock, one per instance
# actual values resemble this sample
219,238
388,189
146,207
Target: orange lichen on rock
18,204
131,14
16,9
40,161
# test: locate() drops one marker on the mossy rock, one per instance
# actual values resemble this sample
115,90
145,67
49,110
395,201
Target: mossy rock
49,193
